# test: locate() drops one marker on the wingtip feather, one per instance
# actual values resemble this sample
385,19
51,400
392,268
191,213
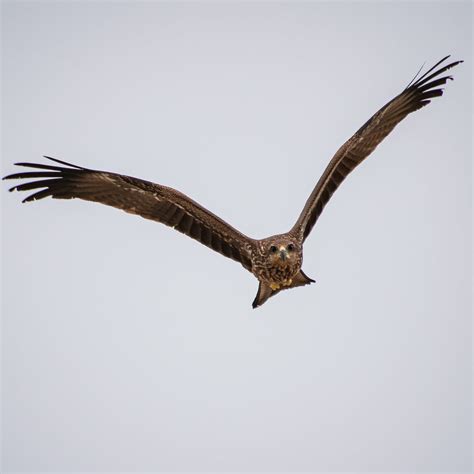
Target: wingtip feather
62,162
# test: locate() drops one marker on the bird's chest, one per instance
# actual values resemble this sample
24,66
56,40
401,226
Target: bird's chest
280,274
277,276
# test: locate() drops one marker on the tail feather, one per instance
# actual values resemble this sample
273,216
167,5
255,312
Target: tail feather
264,291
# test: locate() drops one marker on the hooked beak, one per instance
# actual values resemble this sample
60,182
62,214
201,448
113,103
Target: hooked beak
283,253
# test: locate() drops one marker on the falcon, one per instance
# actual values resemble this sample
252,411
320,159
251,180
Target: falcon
276,260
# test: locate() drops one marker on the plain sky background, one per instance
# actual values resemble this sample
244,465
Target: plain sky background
129,347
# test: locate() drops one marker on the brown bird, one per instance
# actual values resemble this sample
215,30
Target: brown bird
275,261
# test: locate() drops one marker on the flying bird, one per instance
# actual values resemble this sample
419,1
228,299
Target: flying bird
276,260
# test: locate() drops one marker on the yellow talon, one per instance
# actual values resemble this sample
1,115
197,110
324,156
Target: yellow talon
277,286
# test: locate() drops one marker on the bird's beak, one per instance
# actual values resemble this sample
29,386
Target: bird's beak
283,253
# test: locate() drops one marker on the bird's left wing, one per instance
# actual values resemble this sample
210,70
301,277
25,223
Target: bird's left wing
137,196
416,95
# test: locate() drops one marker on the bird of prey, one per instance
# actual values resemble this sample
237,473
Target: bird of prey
275,261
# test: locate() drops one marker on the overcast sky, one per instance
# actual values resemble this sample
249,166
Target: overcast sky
130,347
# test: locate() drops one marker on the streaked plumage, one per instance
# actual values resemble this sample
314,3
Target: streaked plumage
275,261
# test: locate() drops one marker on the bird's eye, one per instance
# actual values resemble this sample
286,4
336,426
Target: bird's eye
290,247
273,249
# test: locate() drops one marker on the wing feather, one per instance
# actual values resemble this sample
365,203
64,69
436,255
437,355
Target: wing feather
416,95
136,196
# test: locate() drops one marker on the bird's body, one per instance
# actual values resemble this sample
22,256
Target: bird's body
275,261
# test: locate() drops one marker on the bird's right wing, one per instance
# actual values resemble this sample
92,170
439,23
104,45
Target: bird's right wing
137,196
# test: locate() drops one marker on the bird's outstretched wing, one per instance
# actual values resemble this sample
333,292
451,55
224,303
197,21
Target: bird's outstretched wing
416,95
136,196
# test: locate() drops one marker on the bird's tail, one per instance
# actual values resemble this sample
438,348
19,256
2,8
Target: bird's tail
264,291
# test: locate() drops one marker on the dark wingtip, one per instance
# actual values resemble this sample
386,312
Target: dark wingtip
11,176
62,162
432,72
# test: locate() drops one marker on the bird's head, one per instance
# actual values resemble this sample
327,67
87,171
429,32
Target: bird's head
281,251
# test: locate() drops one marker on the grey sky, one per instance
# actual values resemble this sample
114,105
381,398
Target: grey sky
129,347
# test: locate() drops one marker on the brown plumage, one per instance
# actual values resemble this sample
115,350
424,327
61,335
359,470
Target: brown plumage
275,261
